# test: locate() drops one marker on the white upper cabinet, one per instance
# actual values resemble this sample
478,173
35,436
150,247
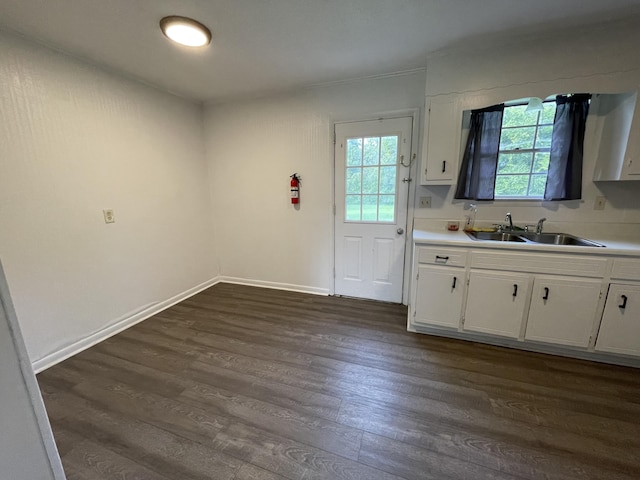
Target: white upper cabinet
441,140
617,136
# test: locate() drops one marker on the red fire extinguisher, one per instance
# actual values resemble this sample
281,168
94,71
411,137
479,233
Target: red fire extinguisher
295,189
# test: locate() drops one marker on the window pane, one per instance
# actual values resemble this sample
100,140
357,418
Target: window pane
387,208
354,152
372,151
370,180
388,179
517,138
516,116
548,113
389,150
354,180
352,213
538,184
511,185
544,137
369,208
541,163
515,162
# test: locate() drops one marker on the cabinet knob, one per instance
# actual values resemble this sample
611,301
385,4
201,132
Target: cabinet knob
400,231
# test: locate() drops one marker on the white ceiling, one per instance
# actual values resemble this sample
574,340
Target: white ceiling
263,46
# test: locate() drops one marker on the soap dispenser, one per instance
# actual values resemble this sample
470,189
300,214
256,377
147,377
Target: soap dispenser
470,218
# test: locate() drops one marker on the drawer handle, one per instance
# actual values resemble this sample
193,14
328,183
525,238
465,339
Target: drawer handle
444,166
546,293
440,258
455,279
515,289
624,301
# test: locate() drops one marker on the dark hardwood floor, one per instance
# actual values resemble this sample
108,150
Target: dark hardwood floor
252,384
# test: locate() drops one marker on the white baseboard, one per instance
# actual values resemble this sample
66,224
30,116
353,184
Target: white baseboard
275,285
117,327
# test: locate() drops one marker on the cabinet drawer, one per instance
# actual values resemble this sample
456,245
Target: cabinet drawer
626,269
451,257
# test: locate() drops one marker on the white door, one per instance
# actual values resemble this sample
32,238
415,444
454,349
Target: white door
371,188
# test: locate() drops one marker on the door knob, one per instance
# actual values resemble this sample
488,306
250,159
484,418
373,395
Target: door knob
400,231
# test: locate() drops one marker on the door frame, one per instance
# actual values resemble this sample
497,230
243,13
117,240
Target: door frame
416,130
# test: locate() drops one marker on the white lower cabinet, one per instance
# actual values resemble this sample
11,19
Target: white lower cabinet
522,298
439,295
620,327
496,302
563,310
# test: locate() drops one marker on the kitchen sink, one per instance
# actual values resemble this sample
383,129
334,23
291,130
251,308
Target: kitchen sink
496,236
529,237
559,239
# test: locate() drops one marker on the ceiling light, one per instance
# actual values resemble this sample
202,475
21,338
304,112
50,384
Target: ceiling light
185,31
534,105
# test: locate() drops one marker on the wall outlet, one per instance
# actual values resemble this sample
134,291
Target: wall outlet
109,216
599,203
425,202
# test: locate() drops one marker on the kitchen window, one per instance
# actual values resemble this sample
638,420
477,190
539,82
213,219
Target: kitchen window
523,157
512,153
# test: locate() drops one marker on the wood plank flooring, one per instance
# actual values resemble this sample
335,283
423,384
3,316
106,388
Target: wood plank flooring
243,383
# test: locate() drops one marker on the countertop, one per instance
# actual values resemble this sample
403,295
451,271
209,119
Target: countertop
461,239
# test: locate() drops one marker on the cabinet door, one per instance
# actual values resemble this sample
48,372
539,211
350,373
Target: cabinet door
563,310
442,141
620,327
439,296
496,302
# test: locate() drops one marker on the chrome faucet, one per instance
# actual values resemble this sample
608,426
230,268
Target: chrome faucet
509,219
539,226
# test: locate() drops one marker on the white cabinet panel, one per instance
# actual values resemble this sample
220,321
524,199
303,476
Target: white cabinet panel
496,302
620,327
439,294
563,310
441,148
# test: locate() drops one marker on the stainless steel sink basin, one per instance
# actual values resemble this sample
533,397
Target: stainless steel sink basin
530,237
495,236
559,239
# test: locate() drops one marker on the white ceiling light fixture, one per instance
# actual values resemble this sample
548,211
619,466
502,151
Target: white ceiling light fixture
185,31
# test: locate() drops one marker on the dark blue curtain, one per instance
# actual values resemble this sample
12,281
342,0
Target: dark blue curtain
477,177
564,180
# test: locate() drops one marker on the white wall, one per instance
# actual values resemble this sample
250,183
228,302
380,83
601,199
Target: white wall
601,59
253,146
73,141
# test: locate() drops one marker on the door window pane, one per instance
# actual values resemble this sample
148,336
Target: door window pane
370,180
389,150
352,204
354,152
388,180
387,208
372,151
369,208
354,180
